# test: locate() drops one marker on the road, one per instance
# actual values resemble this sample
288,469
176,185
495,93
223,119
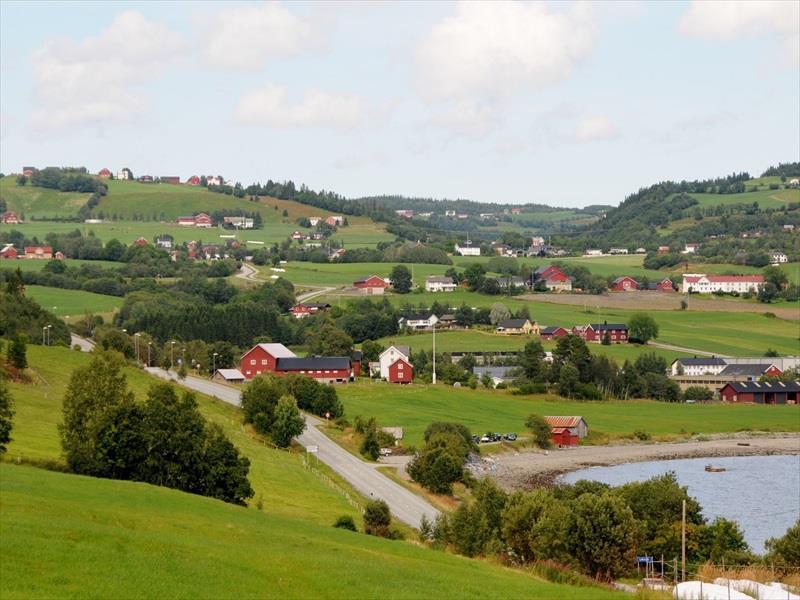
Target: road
306,296
405,505
247,272
85,345
687,350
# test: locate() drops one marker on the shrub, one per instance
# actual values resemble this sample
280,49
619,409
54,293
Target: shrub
6,414
540,429
288,422
370,446
377,518
698,392
642,435
345,522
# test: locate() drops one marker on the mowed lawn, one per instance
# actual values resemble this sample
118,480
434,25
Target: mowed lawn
765,198
733,333
38,265
415,406
65,536
344,274
72,302
471,340
277,476
39,202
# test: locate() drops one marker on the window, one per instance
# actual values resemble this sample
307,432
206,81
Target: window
400,366
252,361
263,361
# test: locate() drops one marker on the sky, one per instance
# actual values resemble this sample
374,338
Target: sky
566,104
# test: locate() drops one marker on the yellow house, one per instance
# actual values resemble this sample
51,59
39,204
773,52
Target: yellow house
517,327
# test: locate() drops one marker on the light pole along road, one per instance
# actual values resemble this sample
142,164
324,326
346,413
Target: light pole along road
404,504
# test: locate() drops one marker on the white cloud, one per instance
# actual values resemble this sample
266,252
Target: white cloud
494,49
270,106
468,119
593,129
245,37
729,19
91,82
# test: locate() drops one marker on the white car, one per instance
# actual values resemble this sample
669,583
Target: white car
386,451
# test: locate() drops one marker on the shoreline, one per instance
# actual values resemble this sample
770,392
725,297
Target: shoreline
533,468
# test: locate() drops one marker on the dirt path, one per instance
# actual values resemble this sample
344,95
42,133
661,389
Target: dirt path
530,468
687,350
306,296
664,301
247,272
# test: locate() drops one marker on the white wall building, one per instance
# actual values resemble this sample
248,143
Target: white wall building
439,284
778,257
695,367
468,250
706,284
390,355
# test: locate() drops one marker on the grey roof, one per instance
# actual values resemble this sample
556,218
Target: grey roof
750,370
230,373
608,326
512,323
313,363
419,317
553,329
701,361
317,305
501,372
763,386
447,317
437,279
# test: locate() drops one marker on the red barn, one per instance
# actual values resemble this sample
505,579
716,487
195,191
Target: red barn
202,220
10,218
263,358
372,285
104,173
193,180
779,392
596,332
401,371
355,360
140,242
551,333
563,438
624,284
8,251
39,252
665,285
170,179
325,369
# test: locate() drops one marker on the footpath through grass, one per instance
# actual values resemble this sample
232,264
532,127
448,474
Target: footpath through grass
277,476
415,406
65,535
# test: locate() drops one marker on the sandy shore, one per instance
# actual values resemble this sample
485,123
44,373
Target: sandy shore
531,468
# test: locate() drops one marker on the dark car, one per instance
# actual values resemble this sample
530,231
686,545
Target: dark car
510,436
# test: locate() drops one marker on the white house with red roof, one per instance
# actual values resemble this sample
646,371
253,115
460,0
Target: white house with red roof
10,218
40,252
705,284
8,251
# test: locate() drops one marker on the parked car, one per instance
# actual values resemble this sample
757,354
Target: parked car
510,437
386,451
476,439
485,439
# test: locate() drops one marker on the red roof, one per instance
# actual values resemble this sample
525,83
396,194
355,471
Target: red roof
34,249
371,281
563,421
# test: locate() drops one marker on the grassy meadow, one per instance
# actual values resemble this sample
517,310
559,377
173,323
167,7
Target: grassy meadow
72,302
66,536
415,406
33,201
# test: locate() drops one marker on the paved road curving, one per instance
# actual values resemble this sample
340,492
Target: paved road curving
404,504
85,345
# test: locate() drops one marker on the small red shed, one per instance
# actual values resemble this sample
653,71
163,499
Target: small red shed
401,371
624,284
563,438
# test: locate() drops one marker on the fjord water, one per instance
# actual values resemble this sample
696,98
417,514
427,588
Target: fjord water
761,493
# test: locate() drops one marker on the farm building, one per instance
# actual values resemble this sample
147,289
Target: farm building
596,332
447,321
125,174
562,437
28,171
308,308
372,285
695,366
439,284
104,173
761,392
553,332
356,358
325,369
39,252
665,285
229,376
8,251
10,218
238,222
263,358
405,213
400,371
172,179
706,284
554,278
517,327
335,220
498,374
140,241
419,322
467,249
663,250
624,284
389,356
576,425
193,180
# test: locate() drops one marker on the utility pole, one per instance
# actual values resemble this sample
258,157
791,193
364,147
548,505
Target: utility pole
434,354
683,541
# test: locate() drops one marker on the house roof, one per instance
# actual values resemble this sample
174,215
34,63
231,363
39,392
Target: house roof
436,279
623,278
608,326
404,350
745,369
512,323
29,249
701,361
560,421
725,278
402,360
448,317
275,350
552,329
357,355
764,386
230,373
419,317
371,280
313,363
499,372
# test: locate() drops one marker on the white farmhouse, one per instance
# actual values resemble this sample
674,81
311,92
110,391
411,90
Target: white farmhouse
419,322
439,284
778,257
389,356
705,284
468,250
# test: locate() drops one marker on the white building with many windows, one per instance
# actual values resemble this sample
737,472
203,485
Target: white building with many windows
706,284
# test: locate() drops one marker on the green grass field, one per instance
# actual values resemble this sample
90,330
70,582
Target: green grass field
765,198
38,265
67,536
29,201
734,333
415,406
72,302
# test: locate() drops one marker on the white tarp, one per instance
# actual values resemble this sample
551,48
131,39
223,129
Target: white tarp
760,591
699,590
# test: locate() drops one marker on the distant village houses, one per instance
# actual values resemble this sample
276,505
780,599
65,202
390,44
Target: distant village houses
701,283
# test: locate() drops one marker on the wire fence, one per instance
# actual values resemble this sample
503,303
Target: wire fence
331,483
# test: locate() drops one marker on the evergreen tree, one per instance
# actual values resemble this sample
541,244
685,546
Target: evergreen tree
6,415
18,352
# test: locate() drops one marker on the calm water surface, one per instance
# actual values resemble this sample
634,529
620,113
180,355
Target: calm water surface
761,493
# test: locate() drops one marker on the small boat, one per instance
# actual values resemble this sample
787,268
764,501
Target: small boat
713,469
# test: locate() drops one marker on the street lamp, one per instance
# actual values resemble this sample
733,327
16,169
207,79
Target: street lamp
214,363
48,328
149,344
44,335
433,380
136,345
172,355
